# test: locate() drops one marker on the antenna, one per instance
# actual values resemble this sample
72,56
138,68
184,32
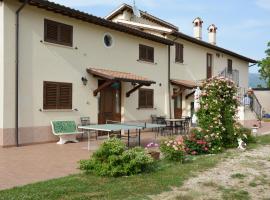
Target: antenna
136,11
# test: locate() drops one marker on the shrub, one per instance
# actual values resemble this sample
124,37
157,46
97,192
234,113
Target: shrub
112,159
173,150
217,113
196,143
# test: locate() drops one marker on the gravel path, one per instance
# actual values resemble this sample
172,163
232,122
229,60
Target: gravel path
245,176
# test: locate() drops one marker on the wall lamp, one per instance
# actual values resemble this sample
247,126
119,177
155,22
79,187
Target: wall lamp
84,80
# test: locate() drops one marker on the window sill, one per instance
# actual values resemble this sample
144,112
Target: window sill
146,108
58,45
58,110
147,62
179,63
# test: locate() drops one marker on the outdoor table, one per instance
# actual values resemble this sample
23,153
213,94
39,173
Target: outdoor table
173,122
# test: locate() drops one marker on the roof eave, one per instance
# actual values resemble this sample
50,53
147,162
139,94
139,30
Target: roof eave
208,45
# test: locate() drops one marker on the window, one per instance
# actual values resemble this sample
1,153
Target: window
58,33
57,95
179,53
146,98
209,64
108,40
146,53
229,69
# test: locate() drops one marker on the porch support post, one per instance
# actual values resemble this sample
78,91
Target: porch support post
134,89
103,86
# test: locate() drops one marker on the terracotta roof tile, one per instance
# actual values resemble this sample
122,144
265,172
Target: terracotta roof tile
185,83
120,76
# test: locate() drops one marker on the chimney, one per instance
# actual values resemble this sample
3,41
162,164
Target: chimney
212,34
197,28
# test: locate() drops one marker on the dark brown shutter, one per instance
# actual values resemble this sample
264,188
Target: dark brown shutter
179,53
146,53
57,95
66,34
50,31
229,69
58,33
150,55
50,93
146,98
65,96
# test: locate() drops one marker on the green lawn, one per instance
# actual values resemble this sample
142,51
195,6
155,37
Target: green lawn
135,187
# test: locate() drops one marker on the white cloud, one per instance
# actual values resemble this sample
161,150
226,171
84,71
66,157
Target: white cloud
265,4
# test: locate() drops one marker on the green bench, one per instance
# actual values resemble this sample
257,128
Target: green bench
65,130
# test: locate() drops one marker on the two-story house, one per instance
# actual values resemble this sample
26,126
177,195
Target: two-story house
58,63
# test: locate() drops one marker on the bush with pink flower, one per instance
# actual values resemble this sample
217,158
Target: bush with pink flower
217,113
195,143
173,149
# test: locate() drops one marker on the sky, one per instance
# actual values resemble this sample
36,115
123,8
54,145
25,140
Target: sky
243,25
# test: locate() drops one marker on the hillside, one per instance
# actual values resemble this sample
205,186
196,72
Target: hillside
254,80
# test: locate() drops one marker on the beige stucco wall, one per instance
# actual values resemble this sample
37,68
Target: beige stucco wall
194,67
264,99
40,61
1,69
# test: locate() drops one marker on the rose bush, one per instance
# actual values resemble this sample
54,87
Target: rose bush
173,149
217,113
195,143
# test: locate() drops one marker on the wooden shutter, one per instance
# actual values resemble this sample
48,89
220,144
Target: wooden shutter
179,53
50,31
50,93
229,69
66,34
150,54
65,96
58,33
146,98
57,95
146,53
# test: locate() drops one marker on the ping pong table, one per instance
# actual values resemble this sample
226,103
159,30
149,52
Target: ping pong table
113,127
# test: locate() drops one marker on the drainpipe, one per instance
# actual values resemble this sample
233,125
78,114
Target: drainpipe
17,73
169,79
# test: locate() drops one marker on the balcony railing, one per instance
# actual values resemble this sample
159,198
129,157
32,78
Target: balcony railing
232,75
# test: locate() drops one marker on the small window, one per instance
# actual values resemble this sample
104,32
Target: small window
58,33
146,98
230,68
179,53
146,53
108,40
57,95
209,65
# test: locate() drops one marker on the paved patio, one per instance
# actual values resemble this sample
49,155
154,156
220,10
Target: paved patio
30,164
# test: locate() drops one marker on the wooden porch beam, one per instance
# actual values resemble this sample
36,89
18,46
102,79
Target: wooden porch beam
134,89
178,92
103,86
190,94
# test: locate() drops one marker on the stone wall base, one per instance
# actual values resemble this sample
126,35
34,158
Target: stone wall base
27,136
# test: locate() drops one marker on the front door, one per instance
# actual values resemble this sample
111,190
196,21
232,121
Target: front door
178,106
110,103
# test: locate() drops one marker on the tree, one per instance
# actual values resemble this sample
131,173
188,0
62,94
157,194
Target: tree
264,66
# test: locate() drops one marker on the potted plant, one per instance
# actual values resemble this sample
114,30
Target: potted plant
153,150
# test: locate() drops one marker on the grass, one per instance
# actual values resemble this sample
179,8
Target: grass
84,186
134,187
238,176
230,193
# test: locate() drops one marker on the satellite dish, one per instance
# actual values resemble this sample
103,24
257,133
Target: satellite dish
136,11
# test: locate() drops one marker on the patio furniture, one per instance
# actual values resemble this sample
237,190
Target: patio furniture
175,124
65,130
85,121
186,124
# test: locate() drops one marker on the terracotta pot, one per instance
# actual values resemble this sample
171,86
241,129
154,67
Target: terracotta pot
155,155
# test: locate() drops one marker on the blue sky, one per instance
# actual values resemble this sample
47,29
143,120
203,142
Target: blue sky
243,25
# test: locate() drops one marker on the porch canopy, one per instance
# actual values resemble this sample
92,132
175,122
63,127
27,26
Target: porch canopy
116,76
184,85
